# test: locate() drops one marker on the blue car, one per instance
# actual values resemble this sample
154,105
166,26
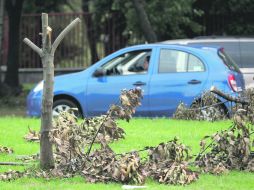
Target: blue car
168,75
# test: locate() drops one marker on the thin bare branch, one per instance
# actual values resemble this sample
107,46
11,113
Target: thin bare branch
63,34
33,46
13,163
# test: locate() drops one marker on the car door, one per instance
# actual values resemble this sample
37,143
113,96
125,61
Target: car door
123,71
179,77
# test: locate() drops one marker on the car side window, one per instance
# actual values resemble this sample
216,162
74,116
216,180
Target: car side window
174,61
195,64
134,62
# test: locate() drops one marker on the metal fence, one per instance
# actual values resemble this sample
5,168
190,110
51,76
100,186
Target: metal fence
75,50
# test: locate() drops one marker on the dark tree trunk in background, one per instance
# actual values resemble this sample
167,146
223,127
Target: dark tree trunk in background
14,9
113,30
144,21
90,31
1,28
1,38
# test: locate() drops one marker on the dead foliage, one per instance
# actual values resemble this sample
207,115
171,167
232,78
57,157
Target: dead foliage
99,165
104,166
5,149
247,95
129,99
11,175
205,108
71,138
129,169
168,163
109,130
250,166
227,149
32,136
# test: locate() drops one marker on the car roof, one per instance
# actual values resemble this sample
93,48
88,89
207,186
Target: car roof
159,44
204,39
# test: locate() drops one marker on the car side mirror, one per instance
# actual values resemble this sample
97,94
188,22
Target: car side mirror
99,73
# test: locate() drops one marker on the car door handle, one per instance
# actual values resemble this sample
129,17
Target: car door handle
139,83
194,81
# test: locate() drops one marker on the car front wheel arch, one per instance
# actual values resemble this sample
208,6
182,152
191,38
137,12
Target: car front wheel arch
67,102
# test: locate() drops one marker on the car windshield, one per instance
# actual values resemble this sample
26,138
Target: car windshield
228,61
127,63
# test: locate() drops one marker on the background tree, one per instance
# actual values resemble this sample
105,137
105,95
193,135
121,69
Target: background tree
1,27
14,10
90,30
230,17
110,21
169,19
1,39
145,24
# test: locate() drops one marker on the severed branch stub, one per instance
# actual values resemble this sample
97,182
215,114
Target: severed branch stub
47,56
56,42
33,46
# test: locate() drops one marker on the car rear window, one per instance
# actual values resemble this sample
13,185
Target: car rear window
228,61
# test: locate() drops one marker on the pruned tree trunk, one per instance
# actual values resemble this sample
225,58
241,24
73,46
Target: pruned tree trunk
144,21
47,56
46,151
14,10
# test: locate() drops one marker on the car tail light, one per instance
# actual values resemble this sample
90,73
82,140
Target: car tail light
232,82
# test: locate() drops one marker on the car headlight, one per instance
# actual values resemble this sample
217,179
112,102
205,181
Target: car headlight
39,87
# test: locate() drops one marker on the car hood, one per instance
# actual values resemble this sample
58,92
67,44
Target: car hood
69,81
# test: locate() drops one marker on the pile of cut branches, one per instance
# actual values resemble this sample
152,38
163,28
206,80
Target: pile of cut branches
104,165
228,149
72,139
168,163
248,96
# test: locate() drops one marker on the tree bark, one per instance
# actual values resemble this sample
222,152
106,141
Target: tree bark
46,150
144,21
90,31
14,9
47,56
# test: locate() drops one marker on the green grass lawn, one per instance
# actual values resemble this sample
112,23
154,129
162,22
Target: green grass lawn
139,133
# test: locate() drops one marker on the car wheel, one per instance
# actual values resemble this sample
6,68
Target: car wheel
64,105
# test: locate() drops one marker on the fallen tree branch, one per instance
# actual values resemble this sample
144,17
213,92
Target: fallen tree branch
13,163
228,97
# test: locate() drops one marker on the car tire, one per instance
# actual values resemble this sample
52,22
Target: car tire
65,105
